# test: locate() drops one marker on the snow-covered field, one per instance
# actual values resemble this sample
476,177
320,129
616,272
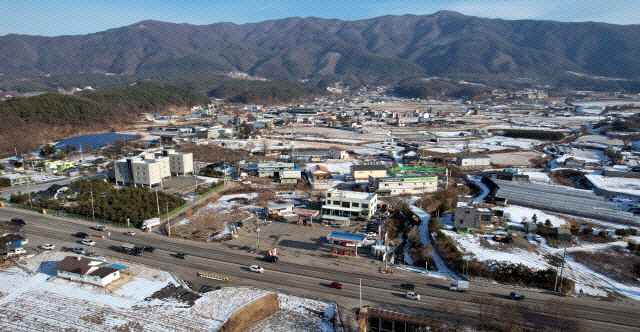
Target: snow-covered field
40,302
620,185
225,204
45,177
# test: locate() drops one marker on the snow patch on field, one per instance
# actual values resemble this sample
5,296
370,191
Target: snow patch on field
518,213
224,204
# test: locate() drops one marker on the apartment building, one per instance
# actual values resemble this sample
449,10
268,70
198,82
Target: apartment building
350,204
150,169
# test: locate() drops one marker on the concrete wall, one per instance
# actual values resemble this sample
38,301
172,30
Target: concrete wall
251,313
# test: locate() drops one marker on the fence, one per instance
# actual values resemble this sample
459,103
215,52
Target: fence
175,211
67,214
393,171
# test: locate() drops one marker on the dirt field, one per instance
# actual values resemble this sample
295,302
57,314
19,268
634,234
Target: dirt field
513,158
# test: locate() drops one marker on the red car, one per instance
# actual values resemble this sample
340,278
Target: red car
336,285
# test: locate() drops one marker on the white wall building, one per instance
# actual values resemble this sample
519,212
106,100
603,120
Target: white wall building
87,270
349,203
473,161
390,186
150,169
338,153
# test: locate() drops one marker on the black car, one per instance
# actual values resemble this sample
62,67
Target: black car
360,219
239,224
271,259
81,235
149,249
181,255
18,222
516,296
408,286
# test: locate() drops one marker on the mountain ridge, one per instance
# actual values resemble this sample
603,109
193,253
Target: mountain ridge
383,49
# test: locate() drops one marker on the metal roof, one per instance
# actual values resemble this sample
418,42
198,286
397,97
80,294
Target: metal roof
344,236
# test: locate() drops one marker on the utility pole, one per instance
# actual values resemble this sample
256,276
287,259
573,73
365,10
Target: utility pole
93,211
258,239
360,293
157,203
562,268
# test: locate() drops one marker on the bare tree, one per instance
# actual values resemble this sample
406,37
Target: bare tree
266,147
562,317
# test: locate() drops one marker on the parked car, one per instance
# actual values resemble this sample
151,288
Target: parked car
538,238
408,286
246,182
149,249
516,296
336,285
181,255
360,219
239,224
81,235
18,222
88,242
508,239
413,295
256,268
270,258
101,228
47,246
80,250
16,251
130,233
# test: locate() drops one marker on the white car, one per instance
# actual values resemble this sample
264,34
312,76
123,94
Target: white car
48,246
16,251
131,233
88,242
413,296
538,238
256,268
246,182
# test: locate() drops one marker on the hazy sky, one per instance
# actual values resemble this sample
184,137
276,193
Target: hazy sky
60,17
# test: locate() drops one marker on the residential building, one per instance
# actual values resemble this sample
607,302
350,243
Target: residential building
338,153
411,156
349,203
471,216
363,172
275,170
477,161
18,179
150,169
88,270
57,166
208,133
409,183
56,191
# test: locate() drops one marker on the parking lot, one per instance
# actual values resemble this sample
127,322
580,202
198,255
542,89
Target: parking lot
179,183
293,240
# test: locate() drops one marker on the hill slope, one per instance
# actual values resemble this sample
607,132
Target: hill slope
382,49
28,122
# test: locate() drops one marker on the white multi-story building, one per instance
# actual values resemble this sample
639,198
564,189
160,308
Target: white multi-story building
406,184
349,203
150,169
338,153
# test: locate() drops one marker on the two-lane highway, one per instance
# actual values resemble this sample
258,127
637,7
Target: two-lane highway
310,279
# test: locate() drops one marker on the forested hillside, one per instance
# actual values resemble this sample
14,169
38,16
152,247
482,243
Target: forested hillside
28,122
384,49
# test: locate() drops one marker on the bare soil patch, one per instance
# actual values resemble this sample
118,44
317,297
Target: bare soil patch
616,263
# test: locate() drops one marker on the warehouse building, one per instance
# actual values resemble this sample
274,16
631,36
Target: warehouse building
477,161
412,181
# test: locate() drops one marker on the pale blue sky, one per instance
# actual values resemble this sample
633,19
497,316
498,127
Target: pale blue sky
59,17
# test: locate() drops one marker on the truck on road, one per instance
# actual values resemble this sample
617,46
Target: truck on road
459,285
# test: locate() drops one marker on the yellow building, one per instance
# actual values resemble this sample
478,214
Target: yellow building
363,172
57,166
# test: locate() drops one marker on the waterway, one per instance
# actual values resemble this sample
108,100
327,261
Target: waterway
95,141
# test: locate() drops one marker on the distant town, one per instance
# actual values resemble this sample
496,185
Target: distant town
359,199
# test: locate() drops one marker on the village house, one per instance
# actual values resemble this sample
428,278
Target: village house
88,270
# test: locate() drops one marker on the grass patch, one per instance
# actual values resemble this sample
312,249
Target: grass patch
615,263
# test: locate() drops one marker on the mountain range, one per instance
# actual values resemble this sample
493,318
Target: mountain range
384,49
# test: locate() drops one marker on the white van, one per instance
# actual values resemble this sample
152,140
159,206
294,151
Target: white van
17,251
